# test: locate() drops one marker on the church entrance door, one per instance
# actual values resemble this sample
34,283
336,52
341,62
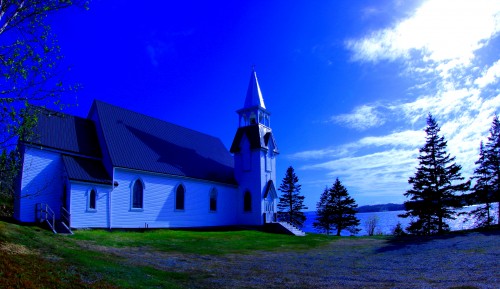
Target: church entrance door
269,209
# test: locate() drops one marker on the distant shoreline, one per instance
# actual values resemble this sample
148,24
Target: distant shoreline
380,208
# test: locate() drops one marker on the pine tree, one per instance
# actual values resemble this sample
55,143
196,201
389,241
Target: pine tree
491,167
482,191
324,222
432,197
336,210
291,202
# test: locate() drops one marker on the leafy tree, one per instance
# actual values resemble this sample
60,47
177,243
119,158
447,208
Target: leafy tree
371,225
291,202
432,197
336,210
29,55
482,191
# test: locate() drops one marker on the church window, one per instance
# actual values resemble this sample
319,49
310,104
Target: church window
213,200
246,154
180,197
247,202
137,194
269,159
92,198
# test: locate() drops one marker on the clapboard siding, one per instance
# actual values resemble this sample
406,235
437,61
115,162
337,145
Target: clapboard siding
253,179
159,202
81,215
41,182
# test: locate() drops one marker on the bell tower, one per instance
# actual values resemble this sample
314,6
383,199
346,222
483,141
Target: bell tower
254,110
255,151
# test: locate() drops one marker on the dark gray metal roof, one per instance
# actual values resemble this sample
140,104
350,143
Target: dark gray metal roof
141,142
66,133
257,135
86,170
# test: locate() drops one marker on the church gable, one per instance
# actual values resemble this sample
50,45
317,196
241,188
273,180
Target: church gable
65,133
270,192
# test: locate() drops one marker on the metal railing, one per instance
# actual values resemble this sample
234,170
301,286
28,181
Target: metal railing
45,214
66,219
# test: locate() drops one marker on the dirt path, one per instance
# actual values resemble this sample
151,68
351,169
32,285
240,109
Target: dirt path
448,262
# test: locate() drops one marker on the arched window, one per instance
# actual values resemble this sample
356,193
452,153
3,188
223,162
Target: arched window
253,118
247,202
213,200
137,194
179,197
92,199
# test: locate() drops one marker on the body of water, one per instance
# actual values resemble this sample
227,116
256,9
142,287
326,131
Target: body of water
387,221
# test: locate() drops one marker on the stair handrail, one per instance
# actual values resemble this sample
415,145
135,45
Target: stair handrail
65,216
46,211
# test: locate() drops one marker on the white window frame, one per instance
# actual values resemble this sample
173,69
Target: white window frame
132,184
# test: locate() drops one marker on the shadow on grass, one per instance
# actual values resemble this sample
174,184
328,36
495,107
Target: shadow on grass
398,243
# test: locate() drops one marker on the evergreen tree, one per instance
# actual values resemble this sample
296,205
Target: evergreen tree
481,192
432,197
336,210
324,212
291,202
492,154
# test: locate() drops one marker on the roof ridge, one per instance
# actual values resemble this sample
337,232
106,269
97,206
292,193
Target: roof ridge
156,118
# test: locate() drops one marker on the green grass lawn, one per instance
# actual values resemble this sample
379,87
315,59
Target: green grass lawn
203,242
31,257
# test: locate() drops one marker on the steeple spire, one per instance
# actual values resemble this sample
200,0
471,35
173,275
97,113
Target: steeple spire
254,95
254,110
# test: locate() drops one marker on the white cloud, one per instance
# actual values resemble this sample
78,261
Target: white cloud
403,139
439,44
490,76
313,154
361,118
408,138
381,174
444,31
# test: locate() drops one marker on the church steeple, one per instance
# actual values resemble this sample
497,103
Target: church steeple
254,95
255,151
254,110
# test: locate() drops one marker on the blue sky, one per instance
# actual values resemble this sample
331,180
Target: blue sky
349,83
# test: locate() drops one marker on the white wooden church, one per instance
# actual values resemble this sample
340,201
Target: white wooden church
121,169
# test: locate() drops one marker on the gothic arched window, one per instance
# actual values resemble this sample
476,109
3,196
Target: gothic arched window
137,194
247,202
179,197
92,199
213,200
